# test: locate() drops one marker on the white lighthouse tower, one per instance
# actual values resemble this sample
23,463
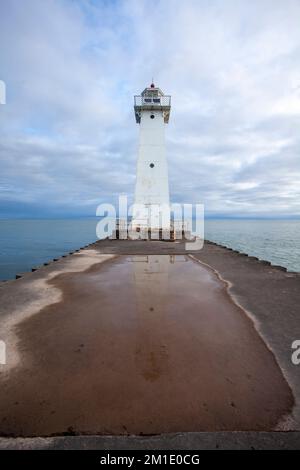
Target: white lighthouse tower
152,112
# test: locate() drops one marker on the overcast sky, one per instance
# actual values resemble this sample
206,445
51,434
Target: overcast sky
68,137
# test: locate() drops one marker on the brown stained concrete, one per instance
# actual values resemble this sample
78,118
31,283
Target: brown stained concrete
141,345
270,296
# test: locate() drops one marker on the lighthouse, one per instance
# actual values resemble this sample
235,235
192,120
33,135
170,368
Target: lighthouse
151,202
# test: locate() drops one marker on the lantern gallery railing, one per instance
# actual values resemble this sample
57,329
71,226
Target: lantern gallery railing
148,102
145,101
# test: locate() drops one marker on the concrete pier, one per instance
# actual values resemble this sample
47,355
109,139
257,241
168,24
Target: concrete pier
135,338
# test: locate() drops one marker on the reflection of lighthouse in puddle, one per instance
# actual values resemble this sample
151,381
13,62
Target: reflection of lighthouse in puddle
151,275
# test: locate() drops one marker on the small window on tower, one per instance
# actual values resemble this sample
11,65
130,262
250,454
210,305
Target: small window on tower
151,165
152,116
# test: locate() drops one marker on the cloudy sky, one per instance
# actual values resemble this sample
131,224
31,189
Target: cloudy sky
68,138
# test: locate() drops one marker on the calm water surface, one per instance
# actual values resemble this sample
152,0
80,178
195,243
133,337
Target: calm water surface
277,241
28,243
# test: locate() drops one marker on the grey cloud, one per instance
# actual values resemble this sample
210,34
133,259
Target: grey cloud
67,132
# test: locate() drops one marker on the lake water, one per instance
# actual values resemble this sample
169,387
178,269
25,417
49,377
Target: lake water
277,241
28,243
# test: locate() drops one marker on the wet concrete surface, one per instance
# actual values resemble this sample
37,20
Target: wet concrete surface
270,296
141,344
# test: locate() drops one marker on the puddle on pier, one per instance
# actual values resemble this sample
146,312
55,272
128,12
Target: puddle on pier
142,344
